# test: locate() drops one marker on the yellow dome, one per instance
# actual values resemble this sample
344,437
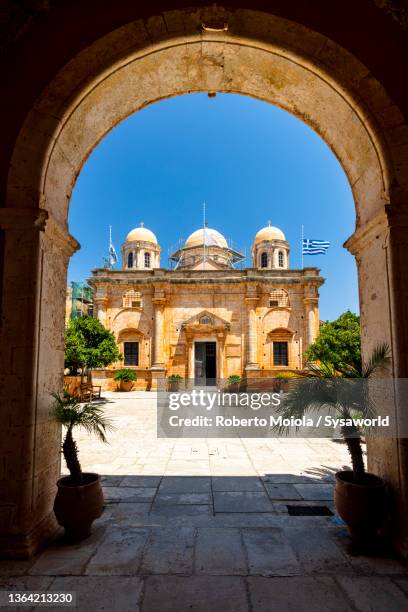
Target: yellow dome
213,238
141,233
269,233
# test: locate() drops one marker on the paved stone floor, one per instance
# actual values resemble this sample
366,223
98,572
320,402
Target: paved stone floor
203,525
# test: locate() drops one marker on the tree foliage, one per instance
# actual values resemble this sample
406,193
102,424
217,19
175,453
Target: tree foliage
89,345
338,342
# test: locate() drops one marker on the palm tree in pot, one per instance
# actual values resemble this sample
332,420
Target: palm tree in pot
126,377
360,497
79,499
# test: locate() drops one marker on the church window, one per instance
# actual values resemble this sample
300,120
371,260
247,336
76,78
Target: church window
132,299
131,353
205,320
147,260
280,259
264,260
278,298
130,260
280,354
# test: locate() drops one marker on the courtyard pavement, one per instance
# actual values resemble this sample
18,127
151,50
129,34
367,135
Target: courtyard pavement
203,525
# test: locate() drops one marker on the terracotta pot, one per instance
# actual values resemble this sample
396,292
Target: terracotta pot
76,507
363,506
126,385
233,387
174,386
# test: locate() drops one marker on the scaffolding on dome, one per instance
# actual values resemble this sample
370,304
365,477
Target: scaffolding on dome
180,258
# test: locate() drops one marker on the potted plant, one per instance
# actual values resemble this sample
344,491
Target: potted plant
126,377
234,382
79,499
281,381
360,497
174,382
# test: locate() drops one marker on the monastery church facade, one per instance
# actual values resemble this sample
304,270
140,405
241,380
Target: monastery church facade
205,319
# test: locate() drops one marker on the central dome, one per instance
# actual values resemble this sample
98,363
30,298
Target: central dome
142,234
269,233
212,238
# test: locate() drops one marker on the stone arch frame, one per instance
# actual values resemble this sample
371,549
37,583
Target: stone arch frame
130,333
77,109
281,334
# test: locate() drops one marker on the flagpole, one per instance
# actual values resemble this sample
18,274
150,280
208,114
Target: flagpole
204,237
302,244
110,242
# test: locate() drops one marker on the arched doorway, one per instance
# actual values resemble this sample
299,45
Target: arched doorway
174,53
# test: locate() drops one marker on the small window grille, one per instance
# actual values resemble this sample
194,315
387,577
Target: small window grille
278,298
132,299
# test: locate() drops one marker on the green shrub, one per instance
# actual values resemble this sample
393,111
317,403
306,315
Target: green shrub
175,378
125,375
234,378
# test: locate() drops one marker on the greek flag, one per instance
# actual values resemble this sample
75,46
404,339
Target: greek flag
113,258
314,247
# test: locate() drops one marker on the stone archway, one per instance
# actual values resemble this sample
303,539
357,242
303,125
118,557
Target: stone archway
175,53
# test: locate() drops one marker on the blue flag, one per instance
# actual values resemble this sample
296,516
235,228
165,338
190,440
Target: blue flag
314,247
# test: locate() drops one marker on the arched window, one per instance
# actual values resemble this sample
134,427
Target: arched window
264,260
280,259
278,298
130,260
132,299
147,260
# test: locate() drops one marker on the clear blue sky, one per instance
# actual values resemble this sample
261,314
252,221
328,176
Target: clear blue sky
248,160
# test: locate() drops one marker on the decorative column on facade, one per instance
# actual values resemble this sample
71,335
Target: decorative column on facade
220,356
190,358
310,318
158,357
100,308
251,362
138,257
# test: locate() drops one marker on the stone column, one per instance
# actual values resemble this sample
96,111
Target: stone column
138,258
34,261
158,369
190,359
381,251
158,359
251,361
310,319
100,306
220,355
